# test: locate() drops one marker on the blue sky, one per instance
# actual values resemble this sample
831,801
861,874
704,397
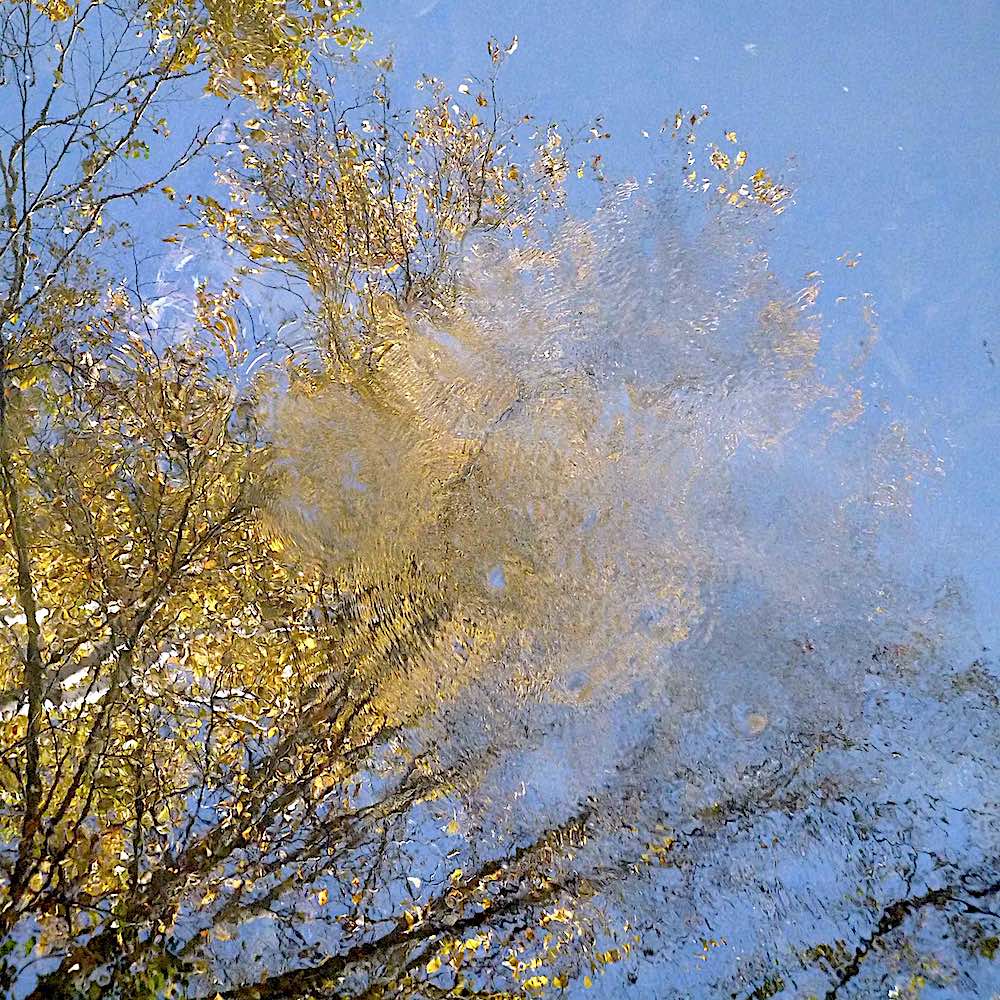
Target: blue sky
890,113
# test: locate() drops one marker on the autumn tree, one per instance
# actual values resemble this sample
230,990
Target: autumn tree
85,94
285,623
227,722
224,725
202,724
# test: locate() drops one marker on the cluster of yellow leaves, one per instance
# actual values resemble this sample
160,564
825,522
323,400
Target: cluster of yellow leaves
658,851
260,48
372,211
129,508
180,636
214,310
759,189
55,10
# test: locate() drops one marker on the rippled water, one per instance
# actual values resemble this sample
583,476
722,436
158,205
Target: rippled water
567,641
662,520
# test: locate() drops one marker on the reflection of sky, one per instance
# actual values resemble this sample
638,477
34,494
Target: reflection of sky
890,112
894,139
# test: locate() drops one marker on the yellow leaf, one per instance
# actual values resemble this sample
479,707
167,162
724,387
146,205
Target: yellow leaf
433,965
719,160
323,897
30,379
731,136
741,157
